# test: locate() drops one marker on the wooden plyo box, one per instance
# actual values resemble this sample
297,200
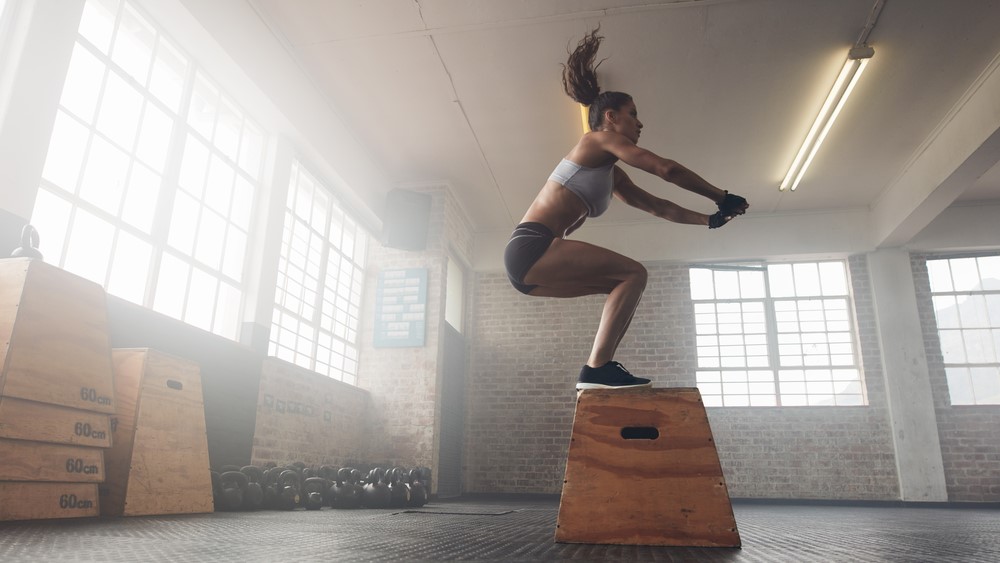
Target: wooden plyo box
28,420
21,460
158,462
54,344
33,501
643,469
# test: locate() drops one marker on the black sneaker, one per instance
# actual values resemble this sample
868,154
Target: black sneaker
611,375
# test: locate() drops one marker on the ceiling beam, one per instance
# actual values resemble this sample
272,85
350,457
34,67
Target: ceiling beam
964,146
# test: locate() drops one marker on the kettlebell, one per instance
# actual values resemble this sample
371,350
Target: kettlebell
234,485
345,492
399,493
312,492
271,487
253,498
216,489
329,473
418,492
29,244
289,487
377,494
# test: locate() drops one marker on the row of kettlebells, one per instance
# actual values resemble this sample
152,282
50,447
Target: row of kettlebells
297,486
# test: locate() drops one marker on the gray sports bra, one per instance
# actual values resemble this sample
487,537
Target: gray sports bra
592,185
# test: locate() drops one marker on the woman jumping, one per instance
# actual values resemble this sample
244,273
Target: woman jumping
540,261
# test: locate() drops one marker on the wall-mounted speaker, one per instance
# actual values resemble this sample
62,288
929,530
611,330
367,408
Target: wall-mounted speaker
406,219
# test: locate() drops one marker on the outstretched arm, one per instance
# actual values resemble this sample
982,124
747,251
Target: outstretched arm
670,170
639,198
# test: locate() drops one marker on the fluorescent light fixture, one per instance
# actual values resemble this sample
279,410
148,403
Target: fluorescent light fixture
857,60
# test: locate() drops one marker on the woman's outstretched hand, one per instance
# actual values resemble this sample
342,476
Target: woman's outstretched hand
733,205
730,206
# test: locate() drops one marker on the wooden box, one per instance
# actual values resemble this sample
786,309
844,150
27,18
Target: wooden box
28,420
21,460
53,337
32,501
642,469
158,462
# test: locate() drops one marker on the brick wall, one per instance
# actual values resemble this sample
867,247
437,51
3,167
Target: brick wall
970,440
404,382
527,353
307,417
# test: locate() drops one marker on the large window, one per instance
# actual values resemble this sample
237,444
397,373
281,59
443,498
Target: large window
151,173
966,296
320,282
776,335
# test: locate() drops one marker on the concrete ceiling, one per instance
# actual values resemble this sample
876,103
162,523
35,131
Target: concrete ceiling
468,92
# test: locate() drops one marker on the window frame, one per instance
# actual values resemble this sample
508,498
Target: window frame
772,336
932,293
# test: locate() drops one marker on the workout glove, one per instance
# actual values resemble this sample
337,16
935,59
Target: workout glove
717,220
732,205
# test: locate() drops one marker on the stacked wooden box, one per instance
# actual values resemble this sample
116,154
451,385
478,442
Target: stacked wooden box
159,461
56,391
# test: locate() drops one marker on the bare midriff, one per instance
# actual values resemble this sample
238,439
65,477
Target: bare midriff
557,208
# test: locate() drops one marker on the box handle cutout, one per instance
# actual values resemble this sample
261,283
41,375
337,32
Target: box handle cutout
640,433
174,384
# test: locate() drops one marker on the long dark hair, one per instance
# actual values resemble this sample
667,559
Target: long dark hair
580,80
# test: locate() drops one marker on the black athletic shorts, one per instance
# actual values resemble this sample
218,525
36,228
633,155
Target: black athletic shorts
526,245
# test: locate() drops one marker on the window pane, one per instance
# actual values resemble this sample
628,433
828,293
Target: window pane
989,271
219,189
167,79
986,385
806,279
939,272
98,21
133,46
780,279
129,268
201,299
51,218
154,137
194,167
202,111
121,106
752,285
104,176
965,274
66,152
227,129
232,259
701,284
727,285
251,149
227,312
183,223
210,241
82,88
833,278
243,193
90,244
141,198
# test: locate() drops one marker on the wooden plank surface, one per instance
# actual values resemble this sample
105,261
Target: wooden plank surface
33,501
12,274
169,468
21,460
667,490
128,367
59,351
28,420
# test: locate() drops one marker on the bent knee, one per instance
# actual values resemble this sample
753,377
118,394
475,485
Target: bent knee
636,272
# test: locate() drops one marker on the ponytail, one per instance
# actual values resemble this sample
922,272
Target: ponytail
579,79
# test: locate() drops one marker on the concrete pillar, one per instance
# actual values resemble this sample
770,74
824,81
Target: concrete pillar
911,404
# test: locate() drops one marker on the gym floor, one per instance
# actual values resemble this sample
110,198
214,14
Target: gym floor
504,529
